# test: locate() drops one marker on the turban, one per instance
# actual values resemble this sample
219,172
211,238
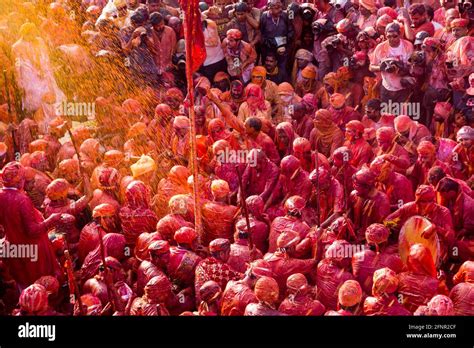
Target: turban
337,100
295,204
342,151
426,148
266,290
350,293
365,177
103,210
384,20
369,5
38,145
376,234
465,133
163,110
309,101
132,106
69,166
90,147
285,88
343,25
443,109
441,305
120,3
320,174
174,93
220,145
178,204
381,168
57,189
465,274
337,250
113,158
385,282
255,204
157,289
13,175
219,244
460,23
167,226
260,268
301,145
309,72
181,122
296,281
144,165
234,34
221,76
289,164
387,11
143,242
386,134
259,71
93,304
304,54
137,195
220,189
203,82
159,247
108,178
425,193
50,283
288,239
355,126
38,160
179,174
402,123
34,299
81,133
28,30
323,115
137,129
185,235
210,291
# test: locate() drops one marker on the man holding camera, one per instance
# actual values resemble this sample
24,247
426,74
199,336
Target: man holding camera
277,32
390,58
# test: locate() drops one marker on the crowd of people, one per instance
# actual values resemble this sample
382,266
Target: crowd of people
334,145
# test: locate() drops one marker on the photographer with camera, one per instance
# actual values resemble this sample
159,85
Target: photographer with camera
277,32
322,28
335,52
390,59
137,45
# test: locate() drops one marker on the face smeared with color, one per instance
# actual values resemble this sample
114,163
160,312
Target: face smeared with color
361,188
384,143
236,90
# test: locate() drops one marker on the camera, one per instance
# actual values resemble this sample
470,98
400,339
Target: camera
389,66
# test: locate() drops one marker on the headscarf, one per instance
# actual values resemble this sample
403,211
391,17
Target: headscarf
440,305
384,20
337,100
287,128
385,281
267,290
103,210
179,175
220,189
13,175
350,293
253,90
420,261
465,132
426,148
385,134
402,123
376,234
57,189
304,54
215,124
34,299
137,195
174,93
144,165
255,205
369,5
285,88
425,193
181,122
